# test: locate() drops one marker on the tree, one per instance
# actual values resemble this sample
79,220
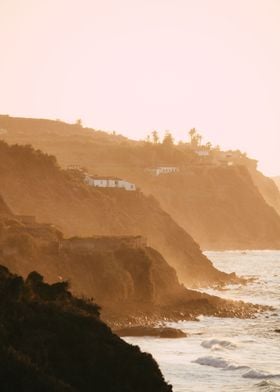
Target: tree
148,139
195,137
168,139
79,123
198,139
192,134
155,137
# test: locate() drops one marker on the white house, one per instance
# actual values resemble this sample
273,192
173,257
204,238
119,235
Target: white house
163,170
109,182
202,153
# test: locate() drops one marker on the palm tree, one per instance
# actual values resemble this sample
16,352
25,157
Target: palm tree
155,137
198,139
168,139
192,134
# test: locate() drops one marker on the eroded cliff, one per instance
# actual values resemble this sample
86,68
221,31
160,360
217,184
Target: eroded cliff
33,184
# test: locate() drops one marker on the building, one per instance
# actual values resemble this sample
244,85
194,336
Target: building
163,170
102,243
77,168
109,182
202,153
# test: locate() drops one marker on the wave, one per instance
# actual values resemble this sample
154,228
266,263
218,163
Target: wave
268,386
260,374
218,362
216,344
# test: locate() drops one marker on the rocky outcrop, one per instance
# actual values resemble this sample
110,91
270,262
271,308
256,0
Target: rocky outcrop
134,285
158,332
52,341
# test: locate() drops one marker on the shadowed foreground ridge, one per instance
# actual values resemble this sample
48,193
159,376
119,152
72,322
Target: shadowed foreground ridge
52,341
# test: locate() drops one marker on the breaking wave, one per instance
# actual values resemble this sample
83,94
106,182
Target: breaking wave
268,386
218,362
260,375
216,344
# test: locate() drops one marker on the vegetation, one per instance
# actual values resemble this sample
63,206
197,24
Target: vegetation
52,341
213,195
61,198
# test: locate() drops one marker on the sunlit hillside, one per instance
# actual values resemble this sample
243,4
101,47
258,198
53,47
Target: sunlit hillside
218,197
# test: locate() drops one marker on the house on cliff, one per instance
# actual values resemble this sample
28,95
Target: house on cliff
232,158
102,243
164,169
202,152
109,182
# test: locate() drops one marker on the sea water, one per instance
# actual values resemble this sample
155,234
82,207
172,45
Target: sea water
226,354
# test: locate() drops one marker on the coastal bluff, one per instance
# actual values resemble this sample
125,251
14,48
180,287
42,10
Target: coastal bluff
218,197
78,210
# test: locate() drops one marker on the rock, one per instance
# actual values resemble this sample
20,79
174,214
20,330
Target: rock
160,332
172,333
277,330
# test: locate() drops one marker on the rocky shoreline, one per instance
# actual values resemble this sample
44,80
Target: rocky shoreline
158,317
158,332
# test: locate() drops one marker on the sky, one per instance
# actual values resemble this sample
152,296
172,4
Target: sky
132,66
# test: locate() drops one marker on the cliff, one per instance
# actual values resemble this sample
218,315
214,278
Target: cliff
277,182
52,341
5,212
60,197
222,207
131,281
268,188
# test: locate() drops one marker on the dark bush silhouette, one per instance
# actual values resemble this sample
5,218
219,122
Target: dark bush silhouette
52,341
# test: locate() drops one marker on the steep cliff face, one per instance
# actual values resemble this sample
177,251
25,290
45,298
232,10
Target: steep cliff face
221,207
268,188
52,341
5,212
132,284
53,195
276,181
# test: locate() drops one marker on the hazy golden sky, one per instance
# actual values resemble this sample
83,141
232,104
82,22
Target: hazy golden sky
138,65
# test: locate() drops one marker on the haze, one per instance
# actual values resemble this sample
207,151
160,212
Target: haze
134,66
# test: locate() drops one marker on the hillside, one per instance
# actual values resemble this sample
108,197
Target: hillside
277,182
222,207
61,197
5,212
268,188
131,281
53,342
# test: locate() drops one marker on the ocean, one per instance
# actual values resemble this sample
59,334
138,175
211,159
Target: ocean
225,355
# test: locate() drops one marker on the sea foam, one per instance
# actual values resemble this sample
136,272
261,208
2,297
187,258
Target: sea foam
258,374
218,362
216,344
